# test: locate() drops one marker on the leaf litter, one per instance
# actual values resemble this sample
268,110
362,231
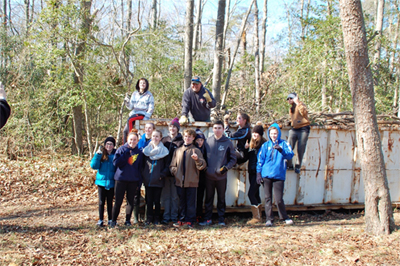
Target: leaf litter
48,215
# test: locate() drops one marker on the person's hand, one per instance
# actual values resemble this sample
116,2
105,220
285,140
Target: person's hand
277,147
127,98
2,91
296,100
100,150
194,156
183,120
259,178
207,96
246,146
223,170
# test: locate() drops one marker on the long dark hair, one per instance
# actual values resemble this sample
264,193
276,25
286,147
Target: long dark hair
147,84
256,144
104,157
245,116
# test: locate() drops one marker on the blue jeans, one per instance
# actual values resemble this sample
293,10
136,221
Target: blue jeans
187,204
299,136
170,200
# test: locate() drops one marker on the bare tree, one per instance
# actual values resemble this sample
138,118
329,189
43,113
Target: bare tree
378,207
263,35
378,29
256,58
219,51
197,29
188,43
241,35
154,14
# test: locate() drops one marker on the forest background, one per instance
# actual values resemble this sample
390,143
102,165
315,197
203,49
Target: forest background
67,65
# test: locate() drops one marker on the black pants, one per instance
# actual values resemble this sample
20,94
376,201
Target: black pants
187,204
278,186
120,188
153,198
254,190
211,186
200,194
104,195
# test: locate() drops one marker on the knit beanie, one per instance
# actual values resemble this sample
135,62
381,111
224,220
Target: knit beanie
258,129
109,139
175,122
199,134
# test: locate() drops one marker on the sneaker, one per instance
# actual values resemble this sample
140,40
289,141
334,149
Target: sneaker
297,170
207,222
289,221
268,223
164,222
221,224
113,224
109,222
100,223
128,223
189,225
290,168
178,224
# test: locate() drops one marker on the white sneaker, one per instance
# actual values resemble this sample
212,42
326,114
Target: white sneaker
268,223
289,221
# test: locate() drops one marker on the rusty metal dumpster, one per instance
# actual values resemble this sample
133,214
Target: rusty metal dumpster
330,178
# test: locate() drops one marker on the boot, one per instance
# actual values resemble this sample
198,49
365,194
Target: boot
259,208
256,214
135,214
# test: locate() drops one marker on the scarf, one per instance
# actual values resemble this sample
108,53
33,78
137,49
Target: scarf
157,152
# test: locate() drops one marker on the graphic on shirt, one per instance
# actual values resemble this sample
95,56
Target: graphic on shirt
132,159
221,148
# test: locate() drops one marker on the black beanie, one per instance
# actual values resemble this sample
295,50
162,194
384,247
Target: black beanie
258,129
109,139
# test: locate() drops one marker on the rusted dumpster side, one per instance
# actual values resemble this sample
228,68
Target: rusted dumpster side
330,176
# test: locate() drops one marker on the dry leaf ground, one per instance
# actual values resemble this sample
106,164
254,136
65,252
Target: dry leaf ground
48,212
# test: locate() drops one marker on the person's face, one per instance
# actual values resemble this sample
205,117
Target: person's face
142,85
148,129
218,130
273,134
290,101
188,139
173,130
109,146
255,136
132,141
156,137
240,121
200,142
196,87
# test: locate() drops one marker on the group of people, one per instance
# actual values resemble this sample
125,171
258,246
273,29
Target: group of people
179,170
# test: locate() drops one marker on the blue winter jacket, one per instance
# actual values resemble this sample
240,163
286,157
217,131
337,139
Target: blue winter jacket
143,142
271,163
129,164
105,170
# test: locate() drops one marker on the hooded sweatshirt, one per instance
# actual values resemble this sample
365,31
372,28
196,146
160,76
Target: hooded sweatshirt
105,170
271,163
197,105
129,163
219,153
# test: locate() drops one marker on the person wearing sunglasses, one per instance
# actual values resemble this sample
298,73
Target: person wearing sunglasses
300,129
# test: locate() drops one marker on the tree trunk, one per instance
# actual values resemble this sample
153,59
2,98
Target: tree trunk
256,58
197,27
188,43
226,23
378,29
218,51
263,36
129,15
27,16
78,74
378,208
244,21
154,14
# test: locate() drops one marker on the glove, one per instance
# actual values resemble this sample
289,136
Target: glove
259,178
207,96
222,170
100,150
278,148
183,120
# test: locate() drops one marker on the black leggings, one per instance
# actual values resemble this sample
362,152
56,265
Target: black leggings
104,195
153,197
254,190
120,188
